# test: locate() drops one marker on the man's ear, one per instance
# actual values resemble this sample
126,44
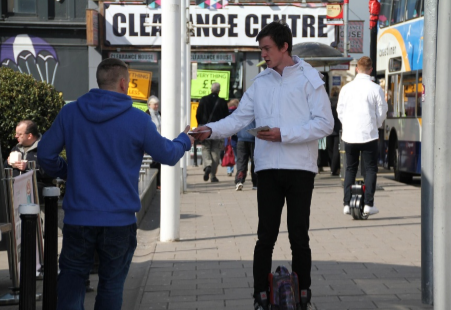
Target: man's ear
285,47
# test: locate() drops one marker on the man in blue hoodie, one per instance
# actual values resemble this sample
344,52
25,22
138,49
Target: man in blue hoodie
105,139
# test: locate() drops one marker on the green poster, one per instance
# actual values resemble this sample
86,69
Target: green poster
201,86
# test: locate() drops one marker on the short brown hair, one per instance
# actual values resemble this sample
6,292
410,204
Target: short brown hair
31,127
365,63
110,71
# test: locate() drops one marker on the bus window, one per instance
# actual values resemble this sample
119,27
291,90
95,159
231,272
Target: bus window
389,96
419,96
413,9
409,96
384,15
422,9
397,14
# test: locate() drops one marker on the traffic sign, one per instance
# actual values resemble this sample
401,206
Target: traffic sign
201,86
139,86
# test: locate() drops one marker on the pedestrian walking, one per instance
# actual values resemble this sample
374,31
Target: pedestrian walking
232,105
211,108
153,103
361,109
289,97
105,139
333,142
245,154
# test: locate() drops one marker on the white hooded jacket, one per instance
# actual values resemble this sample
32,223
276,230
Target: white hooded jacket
295,102
361,109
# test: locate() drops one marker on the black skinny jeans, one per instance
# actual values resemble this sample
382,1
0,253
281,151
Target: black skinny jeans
369,156
274,187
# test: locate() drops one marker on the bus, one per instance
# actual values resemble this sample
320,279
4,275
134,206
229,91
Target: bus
399,71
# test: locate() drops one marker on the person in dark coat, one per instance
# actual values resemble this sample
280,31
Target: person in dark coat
333,142
211,108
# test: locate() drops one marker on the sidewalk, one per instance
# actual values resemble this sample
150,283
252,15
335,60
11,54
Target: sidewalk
372,264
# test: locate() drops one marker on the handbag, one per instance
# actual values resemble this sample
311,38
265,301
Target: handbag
229,158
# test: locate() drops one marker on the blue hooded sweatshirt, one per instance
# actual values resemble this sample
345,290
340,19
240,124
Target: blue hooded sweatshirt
105,140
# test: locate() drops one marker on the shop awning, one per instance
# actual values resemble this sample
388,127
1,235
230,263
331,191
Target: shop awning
317,54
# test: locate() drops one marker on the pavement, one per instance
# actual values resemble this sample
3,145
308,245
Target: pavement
367,264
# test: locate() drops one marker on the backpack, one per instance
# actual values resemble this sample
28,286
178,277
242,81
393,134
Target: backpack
283,290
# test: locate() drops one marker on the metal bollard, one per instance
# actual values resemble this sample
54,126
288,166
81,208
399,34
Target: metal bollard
29,215
51,195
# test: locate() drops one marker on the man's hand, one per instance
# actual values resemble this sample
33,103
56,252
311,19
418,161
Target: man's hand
272,135
21,165
204,133
186,131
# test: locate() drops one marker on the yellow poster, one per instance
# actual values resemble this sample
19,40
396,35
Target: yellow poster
193,122
139,86
201,86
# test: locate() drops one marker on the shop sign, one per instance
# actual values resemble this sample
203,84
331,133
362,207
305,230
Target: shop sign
124,24
336,80
135,57
139,86
340,67
213,57
201,86
355,37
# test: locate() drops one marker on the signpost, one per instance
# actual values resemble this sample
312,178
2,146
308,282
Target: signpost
201,86
139,87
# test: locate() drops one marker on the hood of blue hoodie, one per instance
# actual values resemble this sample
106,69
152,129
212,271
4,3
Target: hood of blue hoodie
99,105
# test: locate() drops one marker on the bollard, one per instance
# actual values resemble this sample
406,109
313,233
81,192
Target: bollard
51,195
29,215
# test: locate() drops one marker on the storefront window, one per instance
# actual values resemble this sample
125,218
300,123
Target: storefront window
149,62
225,61
22,6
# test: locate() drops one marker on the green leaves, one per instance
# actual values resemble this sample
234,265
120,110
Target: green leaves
22,97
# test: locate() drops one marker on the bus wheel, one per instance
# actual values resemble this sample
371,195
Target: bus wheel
399,175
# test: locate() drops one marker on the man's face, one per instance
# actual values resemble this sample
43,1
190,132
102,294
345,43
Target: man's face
153,106
26,139
270,52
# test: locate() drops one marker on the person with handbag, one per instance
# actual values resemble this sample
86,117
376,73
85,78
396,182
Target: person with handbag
211,108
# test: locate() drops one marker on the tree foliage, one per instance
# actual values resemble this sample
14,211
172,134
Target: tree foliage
22,97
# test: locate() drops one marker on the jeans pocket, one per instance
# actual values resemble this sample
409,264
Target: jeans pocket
118,240
75,246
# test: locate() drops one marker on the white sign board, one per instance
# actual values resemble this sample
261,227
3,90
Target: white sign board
124,24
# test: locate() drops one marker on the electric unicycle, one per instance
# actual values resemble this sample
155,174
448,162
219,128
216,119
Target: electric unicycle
358,201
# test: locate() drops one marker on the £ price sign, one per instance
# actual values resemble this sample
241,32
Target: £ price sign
201,86
139,87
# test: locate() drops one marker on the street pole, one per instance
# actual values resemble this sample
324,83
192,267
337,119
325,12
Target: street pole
345,27
442,154
188,79
183,85
427,150
170,89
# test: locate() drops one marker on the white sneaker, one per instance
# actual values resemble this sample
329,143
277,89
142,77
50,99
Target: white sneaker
368,210
239,186
346,210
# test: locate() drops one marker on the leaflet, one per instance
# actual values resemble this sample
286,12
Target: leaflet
254,131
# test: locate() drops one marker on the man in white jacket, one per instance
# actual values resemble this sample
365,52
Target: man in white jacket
289,97
361,109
